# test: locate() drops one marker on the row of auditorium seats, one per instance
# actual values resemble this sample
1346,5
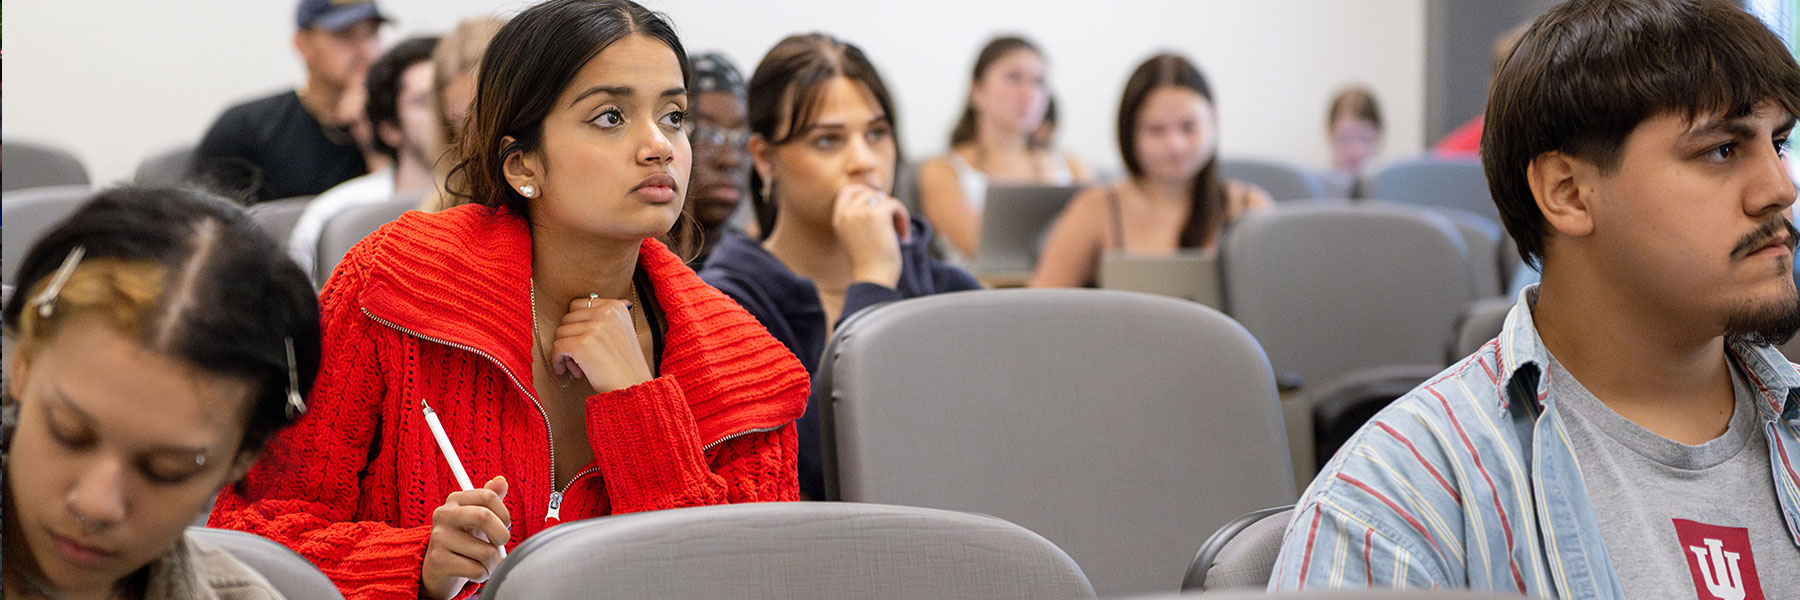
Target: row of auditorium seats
794,550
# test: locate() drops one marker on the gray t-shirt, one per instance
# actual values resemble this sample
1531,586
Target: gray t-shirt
1679,521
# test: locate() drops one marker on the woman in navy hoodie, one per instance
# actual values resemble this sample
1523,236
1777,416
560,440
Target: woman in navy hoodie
834,241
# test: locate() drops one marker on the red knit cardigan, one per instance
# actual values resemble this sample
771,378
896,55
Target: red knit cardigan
437,306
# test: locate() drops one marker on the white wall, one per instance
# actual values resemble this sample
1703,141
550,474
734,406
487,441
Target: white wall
117,80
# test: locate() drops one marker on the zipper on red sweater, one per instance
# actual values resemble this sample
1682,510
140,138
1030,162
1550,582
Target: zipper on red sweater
555,498
554,515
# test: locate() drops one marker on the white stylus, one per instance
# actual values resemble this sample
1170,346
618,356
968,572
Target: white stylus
456,467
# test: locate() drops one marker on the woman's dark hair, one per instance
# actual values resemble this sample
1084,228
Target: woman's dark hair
187,275
383,84
526,66
1356,101
787,88
1588,72
995,50
1163,70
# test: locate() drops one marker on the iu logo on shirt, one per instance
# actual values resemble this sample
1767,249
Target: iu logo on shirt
1720,560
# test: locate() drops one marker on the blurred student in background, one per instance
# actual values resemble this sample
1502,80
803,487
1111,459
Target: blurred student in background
995,142
1353,126
454,66
721,151
292,143
1174,197
399,108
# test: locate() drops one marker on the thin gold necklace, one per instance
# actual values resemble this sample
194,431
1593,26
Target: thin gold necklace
537,336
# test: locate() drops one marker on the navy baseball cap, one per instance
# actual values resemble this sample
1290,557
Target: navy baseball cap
336,15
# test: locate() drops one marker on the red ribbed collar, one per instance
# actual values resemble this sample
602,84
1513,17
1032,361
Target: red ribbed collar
462,277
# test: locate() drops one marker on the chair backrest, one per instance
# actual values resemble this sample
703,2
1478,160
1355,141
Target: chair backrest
1012,221
1240,555
168,167
27,214
289,572
789,550
1343,405
1481,237
1332,287
30,165
277,217
350,227
1188,275
1282,180
1481,321
1456,183
1121,426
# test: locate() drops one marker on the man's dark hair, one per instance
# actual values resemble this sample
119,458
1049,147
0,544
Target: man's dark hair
1588,72
384,85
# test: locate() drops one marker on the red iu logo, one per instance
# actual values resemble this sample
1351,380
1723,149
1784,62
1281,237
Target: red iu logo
1720,560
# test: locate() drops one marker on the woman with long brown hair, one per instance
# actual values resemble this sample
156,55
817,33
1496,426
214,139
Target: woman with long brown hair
1174,198
580,369
995,141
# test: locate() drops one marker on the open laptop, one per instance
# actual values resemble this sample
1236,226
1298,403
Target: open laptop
1013,222
1189,275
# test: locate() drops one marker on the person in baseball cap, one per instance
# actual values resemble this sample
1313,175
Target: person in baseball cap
294,143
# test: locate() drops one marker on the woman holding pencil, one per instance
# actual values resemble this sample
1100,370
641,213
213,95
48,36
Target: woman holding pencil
578,368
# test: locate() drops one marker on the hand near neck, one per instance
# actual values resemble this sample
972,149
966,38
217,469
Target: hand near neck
567,265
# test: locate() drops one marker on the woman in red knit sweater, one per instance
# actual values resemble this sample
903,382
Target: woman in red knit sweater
579,368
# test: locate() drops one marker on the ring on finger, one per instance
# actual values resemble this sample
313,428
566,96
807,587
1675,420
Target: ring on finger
591,299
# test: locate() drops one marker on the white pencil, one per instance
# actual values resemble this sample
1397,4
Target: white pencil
456,466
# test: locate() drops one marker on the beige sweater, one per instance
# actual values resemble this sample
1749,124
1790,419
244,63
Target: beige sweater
196,571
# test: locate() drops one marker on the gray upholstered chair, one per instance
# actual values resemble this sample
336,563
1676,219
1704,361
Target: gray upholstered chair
168,167
1240,555
1329,288
1283,181
1482,238
30,165
291,573
277,217
789,550
27,214
350,227
1436,182
1121,426
1481,321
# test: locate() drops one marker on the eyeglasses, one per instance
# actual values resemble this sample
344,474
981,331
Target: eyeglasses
720,136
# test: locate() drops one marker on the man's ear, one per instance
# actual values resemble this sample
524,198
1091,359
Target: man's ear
521,168
303,45
1560,183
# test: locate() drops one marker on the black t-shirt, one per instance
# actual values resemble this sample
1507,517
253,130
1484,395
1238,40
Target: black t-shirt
272,148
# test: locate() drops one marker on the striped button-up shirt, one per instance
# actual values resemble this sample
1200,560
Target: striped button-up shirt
1470,481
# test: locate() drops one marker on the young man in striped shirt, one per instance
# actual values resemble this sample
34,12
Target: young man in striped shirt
1631,433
